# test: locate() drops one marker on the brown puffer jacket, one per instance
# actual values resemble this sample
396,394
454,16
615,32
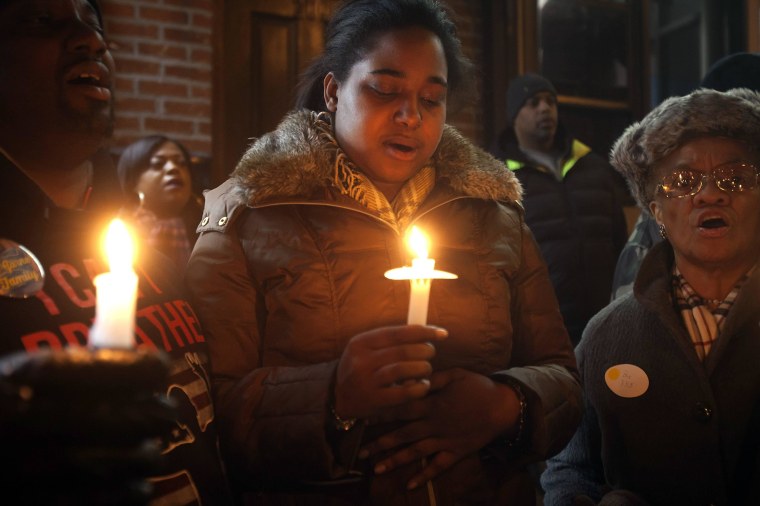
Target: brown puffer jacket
287,270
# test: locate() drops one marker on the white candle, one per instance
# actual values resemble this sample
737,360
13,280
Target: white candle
420,275
116,293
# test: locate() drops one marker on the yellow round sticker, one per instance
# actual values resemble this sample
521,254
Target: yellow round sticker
627,380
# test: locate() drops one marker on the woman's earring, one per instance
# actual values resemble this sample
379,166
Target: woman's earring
663,233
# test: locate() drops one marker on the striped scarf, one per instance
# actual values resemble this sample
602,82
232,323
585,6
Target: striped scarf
703,318
167,235
351,182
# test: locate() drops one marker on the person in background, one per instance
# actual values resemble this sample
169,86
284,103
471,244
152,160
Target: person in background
157,170
738,70
672,387
74,420
572,200
323,393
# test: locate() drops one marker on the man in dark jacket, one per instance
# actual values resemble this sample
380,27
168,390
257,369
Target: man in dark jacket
571,201
79,425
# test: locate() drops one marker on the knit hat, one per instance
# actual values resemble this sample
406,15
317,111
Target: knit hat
522,88
734,114
739,70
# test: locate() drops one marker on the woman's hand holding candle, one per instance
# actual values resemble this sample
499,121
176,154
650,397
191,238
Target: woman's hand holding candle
459,412
372,372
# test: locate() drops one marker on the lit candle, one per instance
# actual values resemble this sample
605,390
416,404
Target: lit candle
116,293
420,275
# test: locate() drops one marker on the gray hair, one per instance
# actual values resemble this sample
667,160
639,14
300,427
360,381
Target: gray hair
734,114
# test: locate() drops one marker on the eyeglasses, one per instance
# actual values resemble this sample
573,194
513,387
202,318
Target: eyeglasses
729,177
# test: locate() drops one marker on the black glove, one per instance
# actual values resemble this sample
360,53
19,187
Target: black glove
82,426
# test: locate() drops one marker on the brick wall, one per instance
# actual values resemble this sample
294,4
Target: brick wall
468,15
163,53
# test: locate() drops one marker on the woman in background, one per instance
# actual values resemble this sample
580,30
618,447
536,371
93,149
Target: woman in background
670,371
157,169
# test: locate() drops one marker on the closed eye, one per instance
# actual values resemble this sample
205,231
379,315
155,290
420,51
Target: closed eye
37,18
384,92
434,101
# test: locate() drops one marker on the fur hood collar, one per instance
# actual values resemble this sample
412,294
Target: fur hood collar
294,161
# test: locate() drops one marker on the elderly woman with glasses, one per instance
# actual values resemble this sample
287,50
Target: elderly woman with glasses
672,371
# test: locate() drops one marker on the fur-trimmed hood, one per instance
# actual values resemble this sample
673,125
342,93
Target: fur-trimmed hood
294,161
734,114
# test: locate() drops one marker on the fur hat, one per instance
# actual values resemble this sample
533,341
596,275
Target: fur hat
521,89
734,114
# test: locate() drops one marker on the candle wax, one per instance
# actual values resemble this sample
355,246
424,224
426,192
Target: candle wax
115,310
116,293
422,270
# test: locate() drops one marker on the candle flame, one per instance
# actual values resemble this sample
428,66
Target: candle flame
418,243
119,247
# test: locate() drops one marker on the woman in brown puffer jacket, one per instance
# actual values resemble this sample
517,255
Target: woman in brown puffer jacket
323,395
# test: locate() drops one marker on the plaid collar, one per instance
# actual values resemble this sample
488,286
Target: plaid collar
350,181
702,317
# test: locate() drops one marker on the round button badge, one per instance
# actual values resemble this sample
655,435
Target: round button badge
627,380
21,273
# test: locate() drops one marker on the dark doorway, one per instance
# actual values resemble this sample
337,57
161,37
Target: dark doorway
261,47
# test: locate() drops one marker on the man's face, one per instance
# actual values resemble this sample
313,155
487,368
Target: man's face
55,68
537,118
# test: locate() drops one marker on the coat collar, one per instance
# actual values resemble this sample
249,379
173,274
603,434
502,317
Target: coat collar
652,289
106,194
295,161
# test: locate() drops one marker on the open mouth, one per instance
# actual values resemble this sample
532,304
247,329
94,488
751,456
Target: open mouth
546,120
173,185
713,223
92,79
401,147
86,79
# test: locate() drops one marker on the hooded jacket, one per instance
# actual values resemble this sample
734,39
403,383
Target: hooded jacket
286,270
578,222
